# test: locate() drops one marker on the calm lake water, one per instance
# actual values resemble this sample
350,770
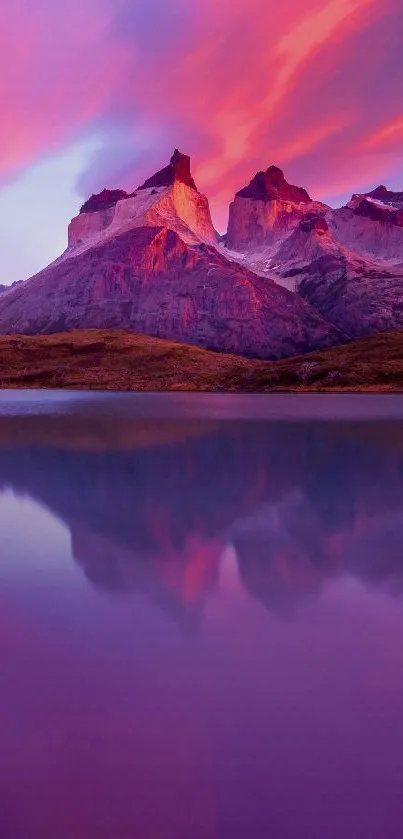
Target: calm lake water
201,617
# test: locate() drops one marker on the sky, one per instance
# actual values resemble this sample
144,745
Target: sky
98,93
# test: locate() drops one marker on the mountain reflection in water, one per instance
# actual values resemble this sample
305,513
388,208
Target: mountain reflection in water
299,504
208,644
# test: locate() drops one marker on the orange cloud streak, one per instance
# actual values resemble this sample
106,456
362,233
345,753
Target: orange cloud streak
243,85
389,133
235,128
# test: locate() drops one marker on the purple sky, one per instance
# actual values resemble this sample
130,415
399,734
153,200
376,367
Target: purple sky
98,93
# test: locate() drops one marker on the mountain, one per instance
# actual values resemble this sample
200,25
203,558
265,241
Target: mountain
359,294
291,274
167,199
347,262
151,262
150,280
265,210
383,197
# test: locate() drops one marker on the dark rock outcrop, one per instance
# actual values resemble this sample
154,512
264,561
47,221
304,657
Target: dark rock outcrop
368,209
103,200
266,211
178,169
313,222
271,185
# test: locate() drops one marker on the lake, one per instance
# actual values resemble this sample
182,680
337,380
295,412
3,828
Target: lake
201,616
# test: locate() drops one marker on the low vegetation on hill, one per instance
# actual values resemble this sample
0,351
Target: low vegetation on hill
122,360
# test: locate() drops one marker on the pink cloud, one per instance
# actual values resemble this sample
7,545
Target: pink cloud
59,68
389,134
316,88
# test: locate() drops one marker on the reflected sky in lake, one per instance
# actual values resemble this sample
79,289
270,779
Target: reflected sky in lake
201,617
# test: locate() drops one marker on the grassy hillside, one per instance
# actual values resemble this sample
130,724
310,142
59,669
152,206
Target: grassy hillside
121,360
368,364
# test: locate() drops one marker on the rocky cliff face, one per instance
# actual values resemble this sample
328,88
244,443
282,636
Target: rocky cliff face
291,275
266,210
152,281
178,207
177,171
358,297
358,294
370,228
169,198
151,261
347,263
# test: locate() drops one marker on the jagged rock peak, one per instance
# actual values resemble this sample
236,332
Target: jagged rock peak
312,222
103,200
271,185
382,193
178,169
380,197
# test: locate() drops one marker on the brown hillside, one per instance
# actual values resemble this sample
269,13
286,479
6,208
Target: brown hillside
122,360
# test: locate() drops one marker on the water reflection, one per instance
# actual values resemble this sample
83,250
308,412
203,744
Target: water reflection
153,509
213,647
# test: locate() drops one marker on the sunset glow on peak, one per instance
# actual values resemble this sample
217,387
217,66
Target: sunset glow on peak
317,88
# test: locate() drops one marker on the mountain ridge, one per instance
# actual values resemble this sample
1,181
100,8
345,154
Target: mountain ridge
291,275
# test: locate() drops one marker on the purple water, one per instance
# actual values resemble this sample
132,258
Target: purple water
201,618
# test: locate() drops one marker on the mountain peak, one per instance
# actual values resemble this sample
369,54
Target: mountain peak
387,196
271,185
381,195
178,169
380,192
275,176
